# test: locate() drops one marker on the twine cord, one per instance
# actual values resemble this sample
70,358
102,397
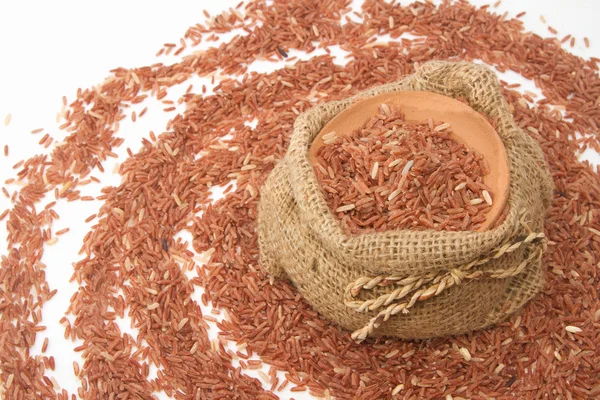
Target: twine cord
420,288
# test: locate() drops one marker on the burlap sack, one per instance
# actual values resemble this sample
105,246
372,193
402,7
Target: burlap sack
409,284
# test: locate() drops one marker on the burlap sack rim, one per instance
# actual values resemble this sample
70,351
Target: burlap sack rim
326,226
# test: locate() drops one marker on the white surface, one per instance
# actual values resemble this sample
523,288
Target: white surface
49,49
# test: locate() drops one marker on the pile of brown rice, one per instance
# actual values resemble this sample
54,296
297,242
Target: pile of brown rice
130,258
392,174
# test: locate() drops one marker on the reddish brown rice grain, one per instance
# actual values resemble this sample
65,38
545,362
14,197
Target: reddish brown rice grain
44,138
38,130
6,150
587,42
552,30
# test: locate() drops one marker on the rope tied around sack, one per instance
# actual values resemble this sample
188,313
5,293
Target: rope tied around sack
412,289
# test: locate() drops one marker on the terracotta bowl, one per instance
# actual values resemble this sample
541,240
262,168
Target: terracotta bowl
467,125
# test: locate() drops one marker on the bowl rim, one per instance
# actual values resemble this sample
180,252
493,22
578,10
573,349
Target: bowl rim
467,126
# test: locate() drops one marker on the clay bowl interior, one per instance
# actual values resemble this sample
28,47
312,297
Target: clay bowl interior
468,127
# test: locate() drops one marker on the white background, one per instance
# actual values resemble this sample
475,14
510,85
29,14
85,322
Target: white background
49,49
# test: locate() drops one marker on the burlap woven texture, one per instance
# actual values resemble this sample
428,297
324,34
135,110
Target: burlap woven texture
302,240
